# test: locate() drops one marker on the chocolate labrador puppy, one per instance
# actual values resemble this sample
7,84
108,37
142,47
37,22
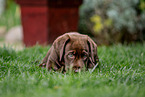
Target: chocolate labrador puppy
71,50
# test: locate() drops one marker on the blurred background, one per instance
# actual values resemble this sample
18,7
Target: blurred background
10,25
113,21
106,21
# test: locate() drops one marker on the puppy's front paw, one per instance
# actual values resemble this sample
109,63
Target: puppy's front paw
43,65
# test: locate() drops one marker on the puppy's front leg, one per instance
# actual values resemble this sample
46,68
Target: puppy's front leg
51,65
44,61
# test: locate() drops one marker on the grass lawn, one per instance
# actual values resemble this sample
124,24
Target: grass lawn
121,74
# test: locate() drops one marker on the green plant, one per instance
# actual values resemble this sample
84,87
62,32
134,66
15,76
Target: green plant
11,16
118,21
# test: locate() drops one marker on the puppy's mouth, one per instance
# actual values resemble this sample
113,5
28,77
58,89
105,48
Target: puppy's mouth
74,69
77,70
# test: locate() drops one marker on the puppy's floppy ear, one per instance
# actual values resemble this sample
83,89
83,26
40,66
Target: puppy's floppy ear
60,44
62,49
55,54
93,51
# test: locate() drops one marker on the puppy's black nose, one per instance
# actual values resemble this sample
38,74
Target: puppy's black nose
77,68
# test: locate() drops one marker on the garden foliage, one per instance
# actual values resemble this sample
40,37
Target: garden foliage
114,20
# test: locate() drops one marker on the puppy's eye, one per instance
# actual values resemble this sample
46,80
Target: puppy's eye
84,56
71,55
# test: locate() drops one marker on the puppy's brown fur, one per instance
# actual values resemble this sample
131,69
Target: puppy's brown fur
71,50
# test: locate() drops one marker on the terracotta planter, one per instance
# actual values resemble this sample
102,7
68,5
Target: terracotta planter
44,20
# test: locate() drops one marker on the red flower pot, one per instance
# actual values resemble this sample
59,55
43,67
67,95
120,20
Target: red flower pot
44,20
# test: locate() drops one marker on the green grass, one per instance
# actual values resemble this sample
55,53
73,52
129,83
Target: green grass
121,74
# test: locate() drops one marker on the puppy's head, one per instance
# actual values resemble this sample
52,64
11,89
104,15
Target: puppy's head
78,52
